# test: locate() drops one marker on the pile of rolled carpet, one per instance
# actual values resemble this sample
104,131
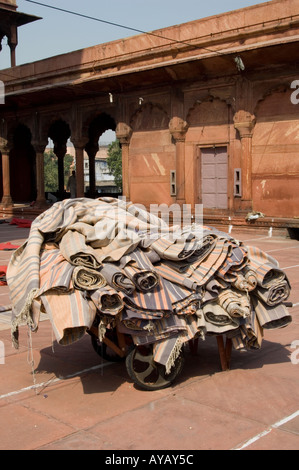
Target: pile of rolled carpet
163,285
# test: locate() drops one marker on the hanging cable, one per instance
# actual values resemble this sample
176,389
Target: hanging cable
175,41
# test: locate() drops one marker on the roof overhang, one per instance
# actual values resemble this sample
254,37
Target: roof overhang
8,16
205,49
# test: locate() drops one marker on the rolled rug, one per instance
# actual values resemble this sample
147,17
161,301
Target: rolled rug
267,275
245,280
107,300
265,267
140,270
217,320
156,303
236,304
273,286
87,278
271,317
236,258
251,279
175,249
205,246
274,294
145,281
77,252
117,279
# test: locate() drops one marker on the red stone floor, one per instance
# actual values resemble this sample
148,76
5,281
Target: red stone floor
81,402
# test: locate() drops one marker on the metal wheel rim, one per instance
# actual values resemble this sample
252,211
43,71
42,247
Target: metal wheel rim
147,373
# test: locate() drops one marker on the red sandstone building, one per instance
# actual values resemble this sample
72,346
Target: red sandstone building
207,112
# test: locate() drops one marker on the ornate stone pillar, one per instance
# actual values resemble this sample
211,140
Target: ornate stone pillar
244,122
40,175
123,134
13,42
79,145
5,148
91,150
60,151
178,128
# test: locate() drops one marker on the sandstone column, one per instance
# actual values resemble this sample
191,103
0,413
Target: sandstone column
60,151
5,149
244,122
123,134
79,145
178,128
91,150
40,175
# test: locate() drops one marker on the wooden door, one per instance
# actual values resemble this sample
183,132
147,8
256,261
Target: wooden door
214,168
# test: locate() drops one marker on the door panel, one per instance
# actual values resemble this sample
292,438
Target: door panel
214,167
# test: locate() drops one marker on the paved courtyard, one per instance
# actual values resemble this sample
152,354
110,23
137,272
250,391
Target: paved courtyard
54,397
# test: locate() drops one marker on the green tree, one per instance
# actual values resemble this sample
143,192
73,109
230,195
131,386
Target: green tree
114,162
51,170
68,160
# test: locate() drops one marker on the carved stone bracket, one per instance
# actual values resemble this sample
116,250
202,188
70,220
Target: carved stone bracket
244,122
39,147
178,128
79,143
5,145
123,133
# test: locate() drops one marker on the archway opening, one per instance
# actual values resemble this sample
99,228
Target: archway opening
98,179
57,159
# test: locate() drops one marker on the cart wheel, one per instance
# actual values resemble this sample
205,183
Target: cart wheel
148,374
104,351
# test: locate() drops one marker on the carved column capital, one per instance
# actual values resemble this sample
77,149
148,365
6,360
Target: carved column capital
78,142
5,145
123,132
39,147
244,122
91,148
178,128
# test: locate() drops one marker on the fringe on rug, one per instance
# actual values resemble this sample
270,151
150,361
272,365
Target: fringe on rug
176,351
24,317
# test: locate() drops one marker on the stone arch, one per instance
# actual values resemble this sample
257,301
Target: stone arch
97,123
59,131
149,117
264,94
93,128
22,164
195,115
209,120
